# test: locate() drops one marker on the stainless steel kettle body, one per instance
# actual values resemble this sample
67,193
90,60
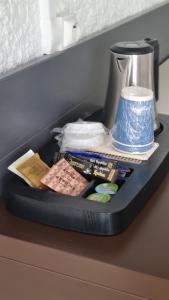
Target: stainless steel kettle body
131,64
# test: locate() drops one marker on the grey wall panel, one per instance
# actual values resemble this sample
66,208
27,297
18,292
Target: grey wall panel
34,98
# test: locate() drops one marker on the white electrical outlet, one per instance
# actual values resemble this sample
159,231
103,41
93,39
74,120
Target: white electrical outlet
70,31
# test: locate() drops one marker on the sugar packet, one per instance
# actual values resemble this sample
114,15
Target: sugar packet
19,161
34,169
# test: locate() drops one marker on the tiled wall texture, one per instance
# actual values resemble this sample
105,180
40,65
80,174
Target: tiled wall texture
28,28
20,35
94,15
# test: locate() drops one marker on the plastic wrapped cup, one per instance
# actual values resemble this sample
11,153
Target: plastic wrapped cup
133,128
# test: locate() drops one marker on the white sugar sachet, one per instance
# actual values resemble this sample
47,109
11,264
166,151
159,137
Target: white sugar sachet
19,161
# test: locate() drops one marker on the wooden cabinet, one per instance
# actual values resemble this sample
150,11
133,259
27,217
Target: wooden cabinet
41,262
20,281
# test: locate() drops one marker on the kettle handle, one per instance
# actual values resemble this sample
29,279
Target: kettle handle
155,44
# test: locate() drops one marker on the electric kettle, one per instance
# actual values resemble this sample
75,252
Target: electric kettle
133,63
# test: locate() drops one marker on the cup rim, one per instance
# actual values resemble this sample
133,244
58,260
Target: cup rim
137,93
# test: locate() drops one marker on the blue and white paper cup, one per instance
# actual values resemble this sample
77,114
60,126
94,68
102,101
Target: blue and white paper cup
133,128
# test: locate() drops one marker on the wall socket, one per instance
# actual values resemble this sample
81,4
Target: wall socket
58,33
66,31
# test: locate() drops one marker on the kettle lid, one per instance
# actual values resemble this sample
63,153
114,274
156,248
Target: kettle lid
132,48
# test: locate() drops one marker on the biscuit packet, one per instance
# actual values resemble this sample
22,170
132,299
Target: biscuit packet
33,169
104,169
64,179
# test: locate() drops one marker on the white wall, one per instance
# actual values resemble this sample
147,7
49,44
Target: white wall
20,35
28,28
94,15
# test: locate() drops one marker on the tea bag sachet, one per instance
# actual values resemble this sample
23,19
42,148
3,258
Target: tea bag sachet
13,167
34,169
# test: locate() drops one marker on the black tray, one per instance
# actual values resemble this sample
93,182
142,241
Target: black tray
80,214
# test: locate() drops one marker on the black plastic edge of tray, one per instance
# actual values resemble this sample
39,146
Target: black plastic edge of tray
78,214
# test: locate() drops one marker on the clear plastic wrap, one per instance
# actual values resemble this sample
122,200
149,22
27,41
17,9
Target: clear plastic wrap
82,135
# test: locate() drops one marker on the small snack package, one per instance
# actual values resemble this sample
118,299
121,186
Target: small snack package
13,167
100,168
63,178
105,173
33,169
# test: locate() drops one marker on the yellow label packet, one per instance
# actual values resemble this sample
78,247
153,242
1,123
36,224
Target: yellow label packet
18,162
34,169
